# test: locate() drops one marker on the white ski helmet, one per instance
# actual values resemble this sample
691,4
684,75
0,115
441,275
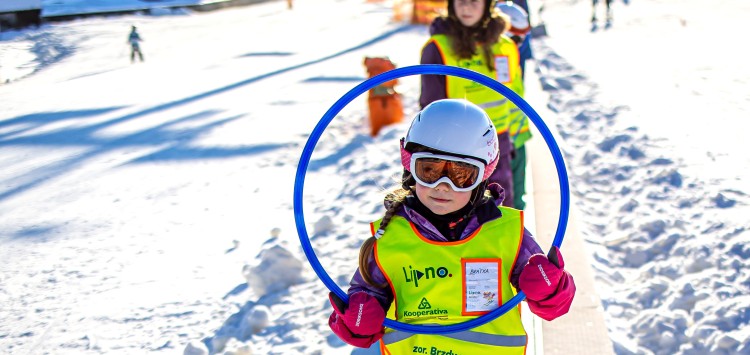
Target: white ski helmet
457,127
519,19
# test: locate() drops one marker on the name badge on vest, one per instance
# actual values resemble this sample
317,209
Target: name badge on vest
502,67
481,285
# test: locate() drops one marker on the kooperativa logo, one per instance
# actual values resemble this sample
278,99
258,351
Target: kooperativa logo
414,275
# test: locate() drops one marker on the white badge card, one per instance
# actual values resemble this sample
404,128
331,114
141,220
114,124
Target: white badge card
481,285
502,66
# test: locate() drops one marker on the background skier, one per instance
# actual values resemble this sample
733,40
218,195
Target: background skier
135,48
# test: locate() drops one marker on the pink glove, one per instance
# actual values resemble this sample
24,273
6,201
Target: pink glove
541,276
360,323
548,287
558,304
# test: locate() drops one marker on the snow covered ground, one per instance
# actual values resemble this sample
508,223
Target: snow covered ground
147,207
654,131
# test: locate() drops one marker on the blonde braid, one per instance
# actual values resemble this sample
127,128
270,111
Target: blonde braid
366,250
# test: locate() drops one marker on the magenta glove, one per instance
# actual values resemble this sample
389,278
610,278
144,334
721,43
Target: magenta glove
541,276
360,323
548,287
558,304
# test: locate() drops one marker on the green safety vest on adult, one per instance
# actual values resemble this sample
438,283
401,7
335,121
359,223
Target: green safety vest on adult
507,71
440,283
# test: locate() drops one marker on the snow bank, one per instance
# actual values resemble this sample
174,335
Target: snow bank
670,257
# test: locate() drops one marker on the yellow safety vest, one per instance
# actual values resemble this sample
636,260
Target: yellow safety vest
507,71
438,283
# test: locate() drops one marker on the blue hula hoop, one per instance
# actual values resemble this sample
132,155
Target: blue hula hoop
418,70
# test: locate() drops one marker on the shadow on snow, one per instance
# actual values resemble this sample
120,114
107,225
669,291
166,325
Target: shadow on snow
178,140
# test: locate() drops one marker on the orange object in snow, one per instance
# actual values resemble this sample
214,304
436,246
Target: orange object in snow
424,11
383,101
379,65
384,110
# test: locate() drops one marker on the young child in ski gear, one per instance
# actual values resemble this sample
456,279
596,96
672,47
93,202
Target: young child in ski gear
446,251
135,48
520,27
519,123
471,37
523,41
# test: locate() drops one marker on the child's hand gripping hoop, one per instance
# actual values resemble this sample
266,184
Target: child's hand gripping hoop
304,160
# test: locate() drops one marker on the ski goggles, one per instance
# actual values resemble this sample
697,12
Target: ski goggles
462,174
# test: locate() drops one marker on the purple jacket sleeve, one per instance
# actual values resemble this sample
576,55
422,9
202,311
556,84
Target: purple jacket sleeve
357,284
433,86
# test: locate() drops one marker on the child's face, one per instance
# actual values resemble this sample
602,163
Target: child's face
469,12
442,199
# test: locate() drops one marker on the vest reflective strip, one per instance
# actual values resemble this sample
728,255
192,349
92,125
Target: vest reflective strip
517,121
467,335
492,104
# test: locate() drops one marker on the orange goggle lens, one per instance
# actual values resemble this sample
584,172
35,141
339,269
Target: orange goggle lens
430,170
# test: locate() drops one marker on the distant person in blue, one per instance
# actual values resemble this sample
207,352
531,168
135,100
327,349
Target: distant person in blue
135,48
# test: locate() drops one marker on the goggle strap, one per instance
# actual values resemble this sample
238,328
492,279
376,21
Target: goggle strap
490,168
405,157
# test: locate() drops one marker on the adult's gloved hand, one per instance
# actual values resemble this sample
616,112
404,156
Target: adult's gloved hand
360,323
548,287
